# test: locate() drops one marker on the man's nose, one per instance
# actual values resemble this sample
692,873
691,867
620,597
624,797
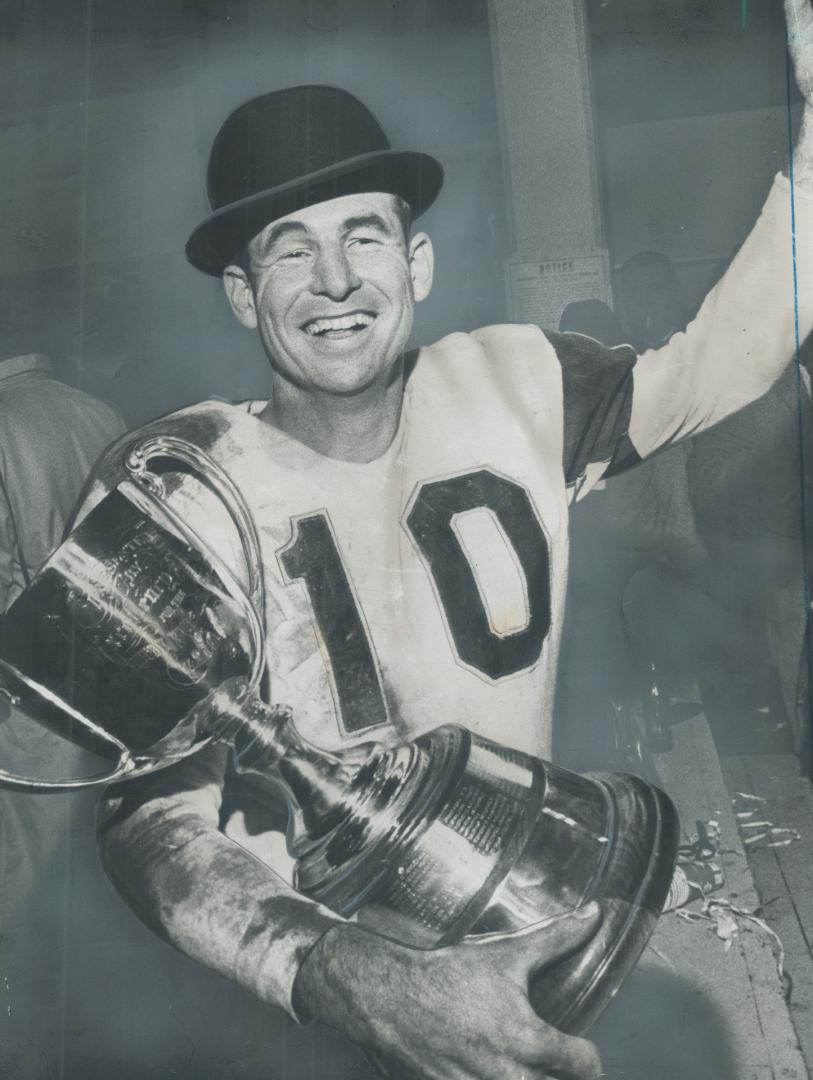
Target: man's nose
333,275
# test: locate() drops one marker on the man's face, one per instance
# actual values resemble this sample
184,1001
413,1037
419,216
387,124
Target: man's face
332,290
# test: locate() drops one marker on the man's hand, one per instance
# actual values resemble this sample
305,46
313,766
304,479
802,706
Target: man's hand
799,18
458,1013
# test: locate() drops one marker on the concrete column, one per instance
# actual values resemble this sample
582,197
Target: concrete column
543,89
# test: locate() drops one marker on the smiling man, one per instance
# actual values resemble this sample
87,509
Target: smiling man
331,291
412,511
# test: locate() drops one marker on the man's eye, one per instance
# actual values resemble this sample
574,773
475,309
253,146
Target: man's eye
293,256
363,241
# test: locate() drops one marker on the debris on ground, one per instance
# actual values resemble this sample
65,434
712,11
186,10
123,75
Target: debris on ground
728,920
698,877
697,873
773,835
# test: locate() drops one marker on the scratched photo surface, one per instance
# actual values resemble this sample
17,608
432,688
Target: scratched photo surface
604,161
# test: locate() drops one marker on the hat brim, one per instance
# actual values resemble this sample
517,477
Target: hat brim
416,178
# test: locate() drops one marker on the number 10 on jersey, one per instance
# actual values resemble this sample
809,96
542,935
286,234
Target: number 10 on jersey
313,557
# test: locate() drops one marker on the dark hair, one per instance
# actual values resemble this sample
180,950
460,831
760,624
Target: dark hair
403,211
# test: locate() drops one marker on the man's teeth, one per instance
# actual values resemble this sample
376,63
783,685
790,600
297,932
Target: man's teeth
339,322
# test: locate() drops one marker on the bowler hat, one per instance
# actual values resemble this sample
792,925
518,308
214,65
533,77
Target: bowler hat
292,148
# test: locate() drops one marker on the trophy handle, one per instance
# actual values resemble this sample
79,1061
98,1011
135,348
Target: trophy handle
215,477
144,487
125,766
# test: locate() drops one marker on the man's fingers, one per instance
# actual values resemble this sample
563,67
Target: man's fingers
543,943
799,19
796,10
562,936
564,1057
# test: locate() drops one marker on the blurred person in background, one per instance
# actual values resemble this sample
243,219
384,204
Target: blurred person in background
50,436
636,598
750,483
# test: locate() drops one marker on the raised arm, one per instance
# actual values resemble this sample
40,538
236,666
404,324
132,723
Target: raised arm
748,328
799,17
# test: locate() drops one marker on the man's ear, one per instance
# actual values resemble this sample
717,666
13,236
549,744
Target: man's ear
240,295
421,265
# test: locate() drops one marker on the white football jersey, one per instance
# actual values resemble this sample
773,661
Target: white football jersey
427,586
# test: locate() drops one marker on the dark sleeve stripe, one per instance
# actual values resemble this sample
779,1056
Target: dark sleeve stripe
597,400
624,458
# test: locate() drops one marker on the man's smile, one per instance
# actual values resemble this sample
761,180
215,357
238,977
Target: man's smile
339,326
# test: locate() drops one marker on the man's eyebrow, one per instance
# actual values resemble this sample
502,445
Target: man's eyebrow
366,221
283,229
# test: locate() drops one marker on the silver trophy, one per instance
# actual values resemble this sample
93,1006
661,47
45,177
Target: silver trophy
136,642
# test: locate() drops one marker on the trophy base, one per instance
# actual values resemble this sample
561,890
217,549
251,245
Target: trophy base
480,839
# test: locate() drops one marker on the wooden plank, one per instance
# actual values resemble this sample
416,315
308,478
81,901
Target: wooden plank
791,805
742,984
784,876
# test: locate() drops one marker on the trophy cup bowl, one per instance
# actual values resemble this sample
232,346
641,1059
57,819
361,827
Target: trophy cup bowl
136,642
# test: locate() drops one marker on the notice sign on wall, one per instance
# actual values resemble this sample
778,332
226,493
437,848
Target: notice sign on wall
538,292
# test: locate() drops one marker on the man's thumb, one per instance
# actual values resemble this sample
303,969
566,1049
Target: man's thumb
545,943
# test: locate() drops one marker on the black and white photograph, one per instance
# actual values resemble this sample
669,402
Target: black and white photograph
406,529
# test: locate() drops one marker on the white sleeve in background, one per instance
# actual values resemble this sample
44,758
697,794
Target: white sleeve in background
743,337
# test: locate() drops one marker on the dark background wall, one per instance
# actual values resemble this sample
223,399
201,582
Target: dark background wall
692,123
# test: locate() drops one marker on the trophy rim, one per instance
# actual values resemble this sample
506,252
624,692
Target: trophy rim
125,766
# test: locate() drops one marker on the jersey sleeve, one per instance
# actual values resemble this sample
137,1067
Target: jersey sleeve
619,408
744,336
162,847
597,388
